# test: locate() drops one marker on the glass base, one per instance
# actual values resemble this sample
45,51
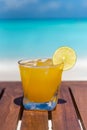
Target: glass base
41,106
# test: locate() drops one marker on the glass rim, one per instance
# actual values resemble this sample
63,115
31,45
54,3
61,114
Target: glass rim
23,62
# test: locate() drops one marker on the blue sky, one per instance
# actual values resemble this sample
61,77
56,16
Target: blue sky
43,8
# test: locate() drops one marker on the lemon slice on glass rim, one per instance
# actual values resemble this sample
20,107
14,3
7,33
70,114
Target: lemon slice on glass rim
65,55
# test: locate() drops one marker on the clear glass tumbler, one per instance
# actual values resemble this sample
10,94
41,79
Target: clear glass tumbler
41,82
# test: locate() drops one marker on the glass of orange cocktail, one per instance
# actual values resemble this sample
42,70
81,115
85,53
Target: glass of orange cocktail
41,78
41,81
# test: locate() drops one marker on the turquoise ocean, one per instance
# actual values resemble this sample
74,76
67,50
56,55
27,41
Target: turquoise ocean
35,38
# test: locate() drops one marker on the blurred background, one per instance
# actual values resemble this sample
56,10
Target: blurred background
36,28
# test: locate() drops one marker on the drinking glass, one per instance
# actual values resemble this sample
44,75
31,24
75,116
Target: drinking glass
41,82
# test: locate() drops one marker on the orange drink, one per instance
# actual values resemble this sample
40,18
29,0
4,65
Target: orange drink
41,78
41,81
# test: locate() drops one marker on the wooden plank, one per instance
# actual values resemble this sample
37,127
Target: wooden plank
10,105
80,97
74,83
64,116
35,120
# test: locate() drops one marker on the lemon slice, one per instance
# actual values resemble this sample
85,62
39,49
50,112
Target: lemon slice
65,55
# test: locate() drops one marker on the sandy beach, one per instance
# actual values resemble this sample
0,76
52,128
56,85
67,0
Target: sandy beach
9,71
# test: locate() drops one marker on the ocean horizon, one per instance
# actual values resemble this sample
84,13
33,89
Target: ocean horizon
39,38
30,38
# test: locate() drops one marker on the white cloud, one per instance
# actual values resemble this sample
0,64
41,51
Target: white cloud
84,3
12,4
52,5
55,5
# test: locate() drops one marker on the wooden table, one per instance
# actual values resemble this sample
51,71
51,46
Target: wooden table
71,107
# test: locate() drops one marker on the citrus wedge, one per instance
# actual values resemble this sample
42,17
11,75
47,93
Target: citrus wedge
65,55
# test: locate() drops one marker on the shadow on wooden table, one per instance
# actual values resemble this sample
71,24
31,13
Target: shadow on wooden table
18,101
61,101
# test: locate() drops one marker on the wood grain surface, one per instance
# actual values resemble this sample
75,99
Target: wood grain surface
10,105
72,104
79,93
64,117
35,120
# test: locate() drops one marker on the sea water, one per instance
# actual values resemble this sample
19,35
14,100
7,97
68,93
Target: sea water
32,38
39,38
